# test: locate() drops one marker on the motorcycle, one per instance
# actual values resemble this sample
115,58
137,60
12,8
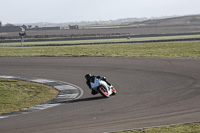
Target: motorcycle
103,87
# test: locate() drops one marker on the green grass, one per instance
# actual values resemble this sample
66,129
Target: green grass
164,49
185,128
16,95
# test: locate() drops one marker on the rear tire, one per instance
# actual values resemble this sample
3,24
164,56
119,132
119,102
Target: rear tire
103,91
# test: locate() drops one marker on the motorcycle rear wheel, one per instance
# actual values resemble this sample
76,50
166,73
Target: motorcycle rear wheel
103,91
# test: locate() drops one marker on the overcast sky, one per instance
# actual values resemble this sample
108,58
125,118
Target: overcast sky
56,11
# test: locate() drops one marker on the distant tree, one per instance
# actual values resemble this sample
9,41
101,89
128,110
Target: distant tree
73,27
29,26
22,34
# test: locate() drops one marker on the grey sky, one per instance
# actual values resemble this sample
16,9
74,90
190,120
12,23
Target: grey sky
28,11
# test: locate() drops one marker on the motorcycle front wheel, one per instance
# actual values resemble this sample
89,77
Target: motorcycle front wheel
113,91
103,91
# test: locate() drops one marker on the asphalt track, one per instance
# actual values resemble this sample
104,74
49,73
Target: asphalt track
150,92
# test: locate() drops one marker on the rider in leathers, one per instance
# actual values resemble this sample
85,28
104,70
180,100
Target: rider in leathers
91,78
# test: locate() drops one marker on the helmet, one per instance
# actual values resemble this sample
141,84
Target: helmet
87,76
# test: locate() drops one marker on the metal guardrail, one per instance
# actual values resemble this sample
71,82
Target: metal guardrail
139,41
104,37
115,42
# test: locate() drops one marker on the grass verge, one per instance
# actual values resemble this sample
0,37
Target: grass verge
164,49
16,95
185,128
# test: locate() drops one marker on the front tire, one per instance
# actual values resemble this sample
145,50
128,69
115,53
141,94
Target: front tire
113,91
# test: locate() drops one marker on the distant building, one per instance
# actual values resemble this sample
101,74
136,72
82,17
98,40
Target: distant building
45,28
25,27
9,28
9,25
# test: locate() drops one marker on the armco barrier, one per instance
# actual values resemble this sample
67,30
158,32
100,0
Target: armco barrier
115,42
139,41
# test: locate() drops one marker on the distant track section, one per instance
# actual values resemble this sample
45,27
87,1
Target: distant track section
95,43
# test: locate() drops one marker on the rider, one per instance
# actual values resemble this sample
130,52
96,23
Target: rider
90,79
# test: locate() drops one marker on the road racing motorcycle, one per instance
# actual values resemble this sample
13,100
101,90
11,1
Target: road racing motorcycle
100,85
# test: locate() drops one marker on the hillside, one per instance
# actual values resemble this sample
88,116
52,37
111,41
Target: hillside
183,20
173,25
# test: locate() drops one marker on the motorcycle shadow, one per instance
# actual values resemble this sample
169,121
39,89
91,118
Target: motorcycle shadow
86,99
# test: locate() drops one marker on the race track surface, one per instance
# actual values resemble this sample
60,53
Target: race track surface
150,92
